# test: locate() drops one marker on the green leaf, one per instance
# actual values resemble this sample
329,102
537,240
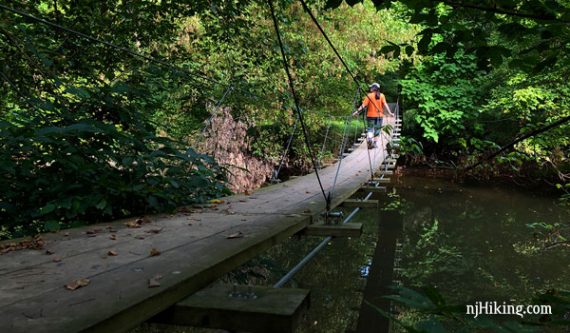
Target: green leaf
50,207
78,91
52,225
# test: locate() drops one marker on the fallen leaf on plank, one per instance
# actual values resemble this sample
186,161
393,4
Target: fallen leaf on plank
77,284
56,259
133,224
138,222
154,281
154,252
216,201
238,234
112,253
113,237
49,252
154,231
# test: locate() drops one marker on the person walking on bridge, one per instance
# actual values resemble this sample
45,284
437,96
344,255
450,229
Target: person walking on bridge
375,102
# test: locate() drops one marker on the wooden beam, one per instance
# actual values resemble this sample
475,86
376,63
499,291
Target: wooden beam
335,230
373,189
384,172
383,181
360,203
242,308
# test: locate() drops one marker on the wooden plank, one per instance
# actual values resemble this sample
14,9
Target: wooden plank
251,309
335,230
385,172
383,180
360,203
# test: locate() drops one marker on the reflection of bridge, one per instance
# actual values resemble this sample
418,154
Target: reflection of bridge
179,254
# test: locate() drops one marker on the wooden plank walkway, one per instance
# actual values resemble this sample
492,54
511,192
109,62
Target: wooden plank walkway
183,252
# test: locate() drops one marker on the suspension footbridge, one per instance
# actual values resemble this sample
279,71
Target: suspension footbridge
131,270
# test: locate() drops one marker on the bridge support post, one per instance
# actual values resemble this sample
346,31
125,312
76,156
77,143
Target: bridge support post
240,308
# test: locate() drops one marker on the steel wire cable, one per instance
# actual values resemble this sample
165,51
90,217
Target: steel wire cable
296,100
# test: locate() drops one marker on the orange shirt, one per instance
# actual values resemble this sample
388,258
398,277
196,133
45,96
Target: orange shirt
375,106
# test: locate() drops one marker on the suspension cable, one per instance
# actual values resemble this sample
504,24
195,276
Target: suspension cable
342,146
316,22
275,175
325,140
341,151
296,100
314,19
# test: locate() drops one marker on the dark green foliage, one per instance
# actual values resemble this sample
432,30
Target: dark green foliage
77,140
540,29
56,176
441,98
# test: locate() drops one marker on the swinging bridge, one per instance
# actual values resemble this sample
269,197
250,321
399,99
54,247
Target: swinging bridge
113,276
196,247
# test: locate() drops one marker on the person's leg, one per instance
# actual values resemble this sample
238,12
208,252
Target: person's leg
370,131
377,127
371,126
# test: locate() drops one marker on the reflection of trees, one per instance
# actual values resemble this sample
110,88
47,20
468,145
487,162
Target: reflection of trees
483,243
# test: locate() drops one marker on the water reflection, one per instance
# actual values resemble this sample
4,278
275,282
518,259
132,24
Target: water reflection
470,242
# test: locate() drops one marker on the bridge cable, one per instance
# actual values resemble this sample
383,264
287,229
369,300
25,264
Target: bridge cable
208,121
275,174
326,136
365,130
316,22
342,147
296,100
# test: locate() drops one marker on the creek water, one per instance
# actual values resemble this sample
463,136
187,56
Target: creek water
468,242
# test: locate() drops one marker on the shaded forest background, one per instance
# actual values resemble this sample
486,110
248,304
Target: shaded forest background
92,132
